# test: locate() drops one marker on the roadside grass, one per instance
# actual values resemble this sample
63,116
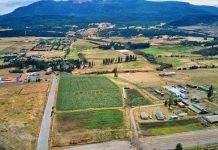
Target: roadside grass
171,127
158,50
81,92
90,120
134,98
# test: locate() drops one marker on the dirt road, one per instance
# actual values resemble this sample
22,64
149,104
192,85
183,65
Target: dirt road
187,139
112,145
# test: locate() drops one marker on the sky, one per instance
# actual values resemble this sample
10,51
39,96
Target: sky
7,6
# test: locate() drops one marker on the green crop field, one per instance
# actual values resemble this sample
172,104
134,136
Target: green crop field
89,120
174,61
80,92
135,98
171,127
154,50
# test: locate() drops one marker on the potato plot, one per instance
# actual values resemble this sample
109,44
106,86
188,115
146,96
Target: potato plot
81,92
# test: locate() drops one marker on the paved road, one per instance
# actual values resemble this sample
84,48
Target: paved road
187,139
46,121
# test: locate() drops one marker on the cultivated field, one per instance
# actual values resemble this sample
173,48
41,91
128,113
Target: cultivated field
76,92
21,109
12,45
134,98
90,120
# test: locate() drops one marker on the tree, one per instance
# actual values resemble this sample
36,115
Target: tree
210,92
171,100
115,71
165,103
179,147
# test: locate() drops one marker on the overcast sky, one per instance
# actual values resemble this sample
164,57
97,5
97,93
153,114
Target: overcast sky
7,6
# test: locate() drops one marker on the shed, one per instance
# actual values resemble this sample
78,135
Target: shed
144,116
181,105
211,119
160,116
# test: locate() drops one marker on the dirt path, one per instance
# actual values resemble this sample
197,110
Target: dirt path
112,145
90,109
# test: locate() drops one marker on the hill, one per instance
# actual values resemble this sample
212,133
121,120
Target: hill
195,19
112,9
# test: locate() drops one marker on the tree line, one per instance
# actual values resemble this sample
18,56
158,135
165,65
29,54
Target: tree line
118,60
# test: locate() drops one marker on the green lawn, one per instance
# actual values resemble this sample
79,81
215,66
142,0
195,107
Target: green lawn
134,98
80,92
158,50
171,127
89,120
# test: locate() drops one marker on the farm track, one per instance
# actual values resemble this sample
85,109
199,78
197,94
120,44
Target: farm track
90,109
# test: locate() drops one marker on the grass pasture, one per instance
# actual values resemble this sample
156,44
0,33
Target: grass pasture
135,98
76,92
160,50
170,127
90,120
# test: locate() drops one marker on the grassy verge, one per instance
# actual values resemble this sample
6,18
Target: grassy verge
171,127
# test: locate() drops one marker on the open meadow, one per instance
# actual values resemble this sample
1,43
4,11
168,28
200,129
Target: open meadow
21,109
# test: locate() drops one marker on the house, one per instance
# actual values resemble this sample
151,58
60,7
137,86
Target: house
144,116
160,116
211,119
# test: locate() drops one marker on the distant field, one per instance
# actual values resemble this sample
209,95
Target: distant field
79,92
134,98
89,120
170,127
78,46
155,50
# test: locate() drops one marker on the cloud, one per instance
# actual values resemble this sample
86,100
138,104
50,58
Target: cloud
7,6
197,2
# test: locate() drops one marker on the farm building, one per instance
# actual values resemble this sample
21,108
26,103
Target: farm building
215,113
191,86
203,88
176,91
160,116
144,116
167,74
211,119
198,109
159,92
186,102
